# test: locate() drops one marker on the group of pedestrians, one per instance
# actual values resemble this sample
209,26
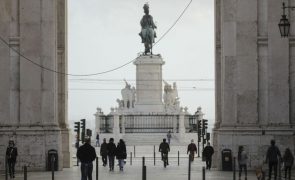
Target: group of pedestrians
273,158
108,151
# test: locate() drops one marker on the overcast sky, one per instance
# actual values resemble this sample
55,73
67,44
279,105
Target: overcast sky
103,34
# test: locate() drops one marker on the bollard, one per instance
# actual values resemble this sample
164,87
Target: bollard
131,158
189,167
6,169
178,158
154,155
234,169
144,173
96,168
204,176
134,150
143,169
52,167
25,173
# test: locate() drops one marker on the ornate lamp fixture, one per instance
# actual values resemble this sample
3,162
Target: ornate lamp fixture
284,24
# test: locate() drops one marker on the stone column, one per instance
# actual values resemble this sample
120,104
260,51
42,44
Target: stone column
149,83
116,128
98,117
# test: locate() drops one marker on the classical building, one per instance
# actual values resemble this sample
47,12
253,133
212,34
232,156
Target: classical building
33,100
255,79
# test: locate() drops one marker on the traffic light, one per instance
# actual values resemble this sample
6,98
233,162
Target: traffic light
88,132
204,126
83,127
199,130
207,136
77,129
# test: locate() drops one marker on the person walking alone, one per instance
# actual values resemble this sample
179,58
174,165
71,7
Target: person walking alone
121,153
169,137
272,157
208,152
111,148
164,148
288,160
192,149
242,161
11,154
104,152
86,154
97,140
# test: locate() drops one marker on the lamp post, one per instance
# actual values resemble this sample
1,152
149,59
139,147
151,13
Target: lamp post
284,24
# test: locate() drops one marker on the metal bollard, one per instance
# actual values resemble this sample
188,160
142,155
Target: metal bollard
134,150
144,173
143,169
204,176
6,169
189,167
25,173
52,168
131,158
96,168
154,155
178,158
234,169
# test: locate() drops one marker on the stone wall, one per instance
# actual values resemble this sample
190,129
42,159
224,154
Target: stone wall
254,78
29,110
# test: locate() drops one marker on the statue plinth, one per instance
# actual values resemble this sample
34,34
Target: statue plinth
149,84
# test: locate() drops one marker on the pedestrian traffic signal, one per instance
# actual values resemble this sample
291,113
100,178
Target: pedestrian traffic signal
199,130
83,127
77,129
207,136
88,132
205,124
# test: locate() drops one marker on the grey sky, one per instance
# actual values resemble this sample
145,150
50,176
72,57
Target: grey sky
103,34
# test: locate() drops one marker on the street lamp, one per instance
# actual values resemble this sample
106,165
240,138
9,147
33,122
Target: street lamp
284,24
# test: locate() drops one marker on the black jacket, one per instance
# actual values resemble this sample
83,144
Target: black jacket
191,148
121,151
11,153
208,152
164,147
111,147
104,149
86,153
273,153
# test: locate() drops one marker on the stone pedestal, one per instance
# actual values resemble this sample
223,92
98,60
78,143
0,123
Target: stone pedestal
149,84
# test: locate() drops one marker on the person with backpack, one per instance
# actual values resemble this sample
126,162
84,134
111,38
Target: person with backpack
242,161
272,157
288,160
11,154
121,153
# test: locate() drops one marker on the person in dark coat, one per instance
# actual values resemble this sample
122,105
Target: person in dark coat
86,154
164,148
208,152
104,152
192,149
288,160
97,140
111,147
11,154
121,153
272,157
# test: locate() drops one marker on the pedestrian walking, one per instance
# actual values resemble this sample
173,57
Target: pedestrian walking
242,161
288,160
164,148
104,152
86,154
97,140
169,137
111,148
192,149
121,154
272,158
11,154
208,152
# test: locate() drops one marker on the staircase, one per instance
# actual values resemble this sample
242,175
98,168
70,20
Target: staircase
149,139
